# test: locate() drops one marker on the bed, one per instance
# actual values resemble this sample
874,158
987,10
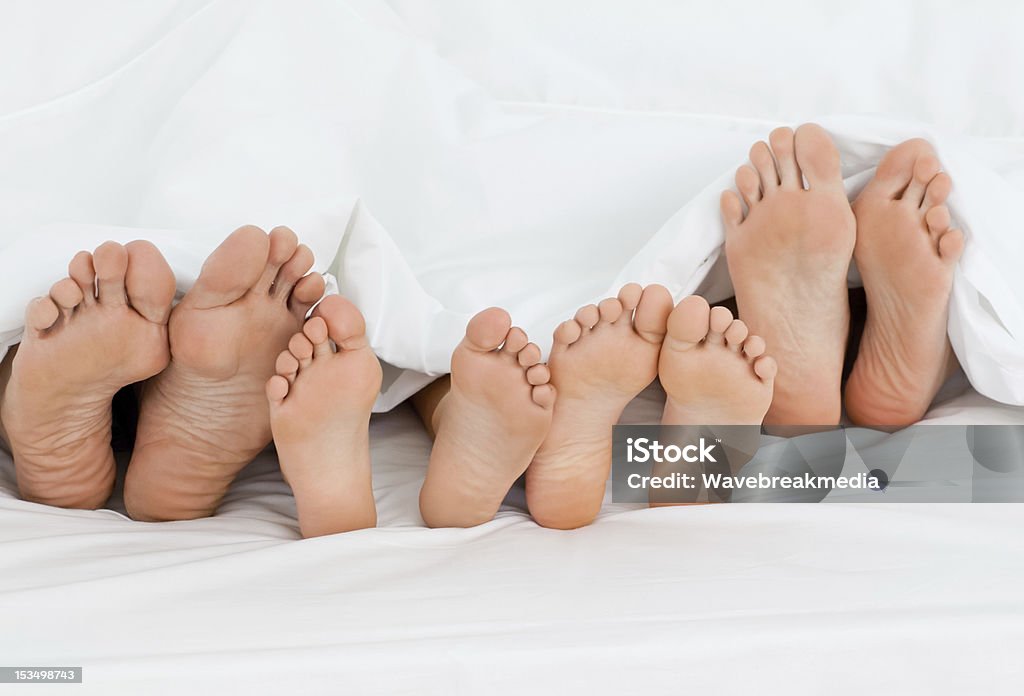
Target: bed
620,115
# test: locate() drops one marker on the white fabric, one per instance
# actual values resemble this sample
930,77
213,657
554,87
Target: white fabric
466,173
728,599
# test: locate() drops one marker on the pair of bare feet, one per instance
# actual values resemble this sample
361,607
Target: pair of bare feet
209,396
790,238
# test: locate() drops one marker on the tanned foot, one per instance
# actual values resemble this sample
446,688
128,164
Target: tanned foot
99,330
713,371
206,416
600,361
489,425
788,257
320,403
906,254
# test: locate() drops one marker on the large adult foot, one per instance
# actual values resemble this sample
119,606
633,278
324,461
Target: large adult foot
599,362
489,425
320,403
788,258
713,371
206,416
99,330
906,254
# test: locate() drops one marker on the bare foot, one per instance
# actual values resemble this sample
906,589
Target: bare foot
99,330
788,258
713,371
320,402
906,254
489,425
599,362
206,416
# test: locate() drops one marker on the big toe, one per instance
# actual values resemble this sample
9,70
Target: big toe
345,323
487,330
818,157
232,269
149,281
896,170
689,322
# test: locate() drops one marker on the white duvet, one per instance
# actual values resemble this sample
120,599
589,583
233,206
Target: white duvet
367,129
443,156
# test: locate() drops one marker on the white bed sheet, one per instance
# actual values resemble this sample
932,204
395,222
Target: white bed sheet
840,599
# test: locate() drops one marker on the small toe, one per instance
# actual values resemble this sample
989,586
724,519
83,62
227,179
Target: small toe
748,183
938,191
515,341
567,333
83,272
111,262
544,396
754,347
41,314
925,169
688,322
588,316
316,331
307,293
629,296
287,365
67,295
282,243
293,270
732,209
538,374
766,368
782,142
764,163
937,220
277,389
736,334
720,321
609,310
529,356
302,349
951,246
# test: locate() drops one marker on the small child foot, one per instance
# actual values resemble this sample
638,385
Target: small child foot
489,425
599,362
906,253
713,371
320,403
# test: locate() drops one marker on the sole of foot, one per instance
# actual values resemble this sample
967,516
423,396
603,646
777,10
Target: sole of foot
600,361
100,329
713,371
906,253
320,404
718,379
789,255
489,425
206,415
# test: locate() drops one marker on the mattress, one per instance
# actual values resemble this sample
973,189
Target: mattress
844,598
